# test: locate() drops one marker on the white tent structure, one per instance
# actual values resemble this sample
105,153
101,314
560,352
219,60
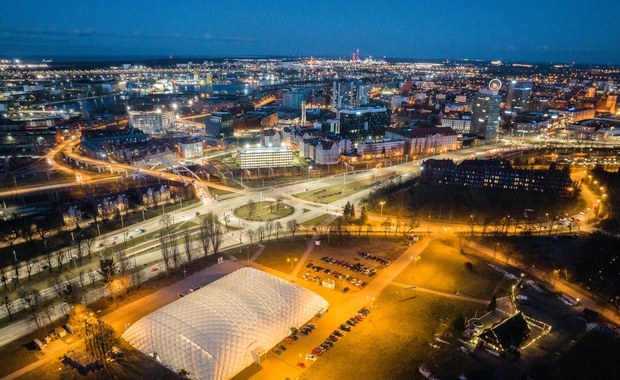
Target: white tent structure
217,331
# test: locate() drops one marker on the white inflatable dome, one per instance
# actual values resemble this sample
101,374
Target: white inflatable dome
218,330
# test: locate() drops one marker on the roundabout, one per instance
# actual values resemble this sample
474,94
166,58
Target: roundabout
263,211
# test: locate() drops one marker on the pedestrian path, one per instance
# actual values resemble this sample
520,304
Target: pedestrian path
442,294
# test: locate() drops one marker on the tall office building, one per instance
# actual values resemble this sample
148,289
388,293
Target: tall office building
219,124
519,93
485,114
350,94
361,124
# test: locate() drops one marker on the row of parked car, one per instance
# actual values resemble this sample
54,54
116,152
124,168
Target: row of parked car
357,267
379,259
354,281
344,328
304,330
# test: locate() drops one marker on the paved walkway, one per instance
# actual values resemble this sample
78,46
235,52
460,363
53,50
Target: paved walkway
442,294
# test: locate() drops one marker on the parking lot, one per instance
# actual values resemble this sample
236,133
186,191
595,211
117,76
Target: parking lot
348,311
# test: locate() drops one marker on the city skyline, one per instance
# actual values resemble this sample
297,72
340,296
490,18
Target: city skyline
533,32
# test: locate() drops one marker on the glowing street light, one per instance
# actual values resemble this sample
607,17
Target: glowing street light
291,260
382,203
415,260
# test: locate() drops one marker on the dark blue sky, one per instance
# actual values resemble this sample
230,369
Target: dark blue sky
545,30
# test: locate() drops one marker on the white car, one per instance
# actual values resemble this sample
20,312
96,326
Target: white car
311,357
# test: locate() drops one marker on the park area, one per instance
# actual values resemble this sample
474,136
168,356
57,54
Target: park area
395,340
443,268
264,210
333,193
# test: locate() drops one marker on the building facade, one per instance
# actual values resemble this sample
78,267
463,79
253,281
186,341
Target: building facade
574,114
270,138
485,117
264,158
361,124
190,150
151,122
385,148
518,99
459,122
219,124
425,140
497,174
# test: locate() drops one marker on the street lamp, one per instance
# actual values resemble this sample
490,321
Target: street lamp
291,260
415,260
309,168
372,301
382,203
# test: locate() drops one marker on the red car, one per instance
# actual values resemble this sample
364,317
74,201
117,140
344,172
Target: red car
317,351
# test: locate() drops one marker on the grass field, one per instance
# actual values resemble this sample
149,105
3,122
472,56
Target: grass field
266,210
441,267
277,251
394,341
333,193
318,220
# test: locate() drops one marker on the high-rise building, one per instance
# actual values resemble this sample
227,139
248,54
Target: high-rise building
485,114
151,122
219,124
519,93
350,94
363,124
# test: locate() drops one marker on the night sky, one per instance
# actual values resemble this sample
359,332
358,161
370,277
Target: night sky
543,31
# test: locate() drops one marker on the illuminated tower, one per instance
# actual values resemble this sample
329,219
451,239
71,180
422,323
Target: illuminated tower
485,111
519,93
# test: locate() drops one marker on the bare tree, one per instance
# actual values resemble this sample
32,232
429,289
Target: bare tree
80,248
4,278
269,229
166,241
48,259
250,233
214,231
59,255
8,305
31,299
89,243
278,227
205,239
99,338
292,226
251,208
387,224
187,243
30,263
92,276
260,232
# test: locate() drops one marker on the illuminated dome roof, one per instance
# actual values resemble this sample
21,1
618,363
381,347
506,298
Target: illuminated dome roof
217,331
